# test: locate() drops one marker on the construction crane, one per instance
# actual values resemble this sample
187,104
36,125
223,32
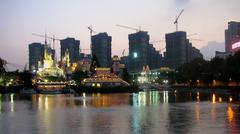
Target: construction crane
91,30
91,33
192,34
177,17
157,41
123,52
191,39
47,37
132,28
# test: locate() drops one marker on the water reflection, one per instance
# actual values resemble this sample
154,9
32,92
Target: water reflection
213,98
144,112
12,102
0,103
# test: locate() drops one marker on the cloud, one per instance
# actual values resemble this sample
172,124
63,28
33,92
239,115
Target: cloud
208,51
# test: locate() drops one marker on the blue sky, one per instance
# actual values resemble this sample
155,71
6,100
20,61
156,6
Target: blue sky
70,18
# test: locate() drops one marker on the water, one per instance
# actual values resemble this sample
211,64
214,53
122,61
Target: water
144,112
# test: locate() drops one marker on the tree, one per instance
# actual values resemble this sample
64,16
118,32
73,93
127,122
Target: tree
26,77
78,76
126,75
2,63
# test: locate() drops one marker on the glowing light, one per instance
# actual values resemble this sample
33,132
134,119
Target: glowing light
39,103
230,114
220,99
84,103
98,85
230,99
84,95
197,113
236,45
135,55
12,102
213,98
165,96
198,98
46,103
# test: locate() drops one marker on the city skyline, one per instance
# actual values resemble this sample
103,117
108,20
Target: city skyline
64,19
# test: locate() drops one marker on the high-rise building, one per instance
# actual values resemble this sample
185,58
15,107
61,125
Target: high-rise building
72,46
138,43
179,50
36,55
176,49
141,53
232,36
101,48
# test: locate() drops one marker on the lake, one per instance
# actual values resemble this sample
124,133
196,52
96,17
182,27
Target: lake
160,112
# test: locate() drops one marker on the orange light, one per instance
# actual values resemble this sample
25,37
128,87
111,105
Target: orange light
230,99
213,98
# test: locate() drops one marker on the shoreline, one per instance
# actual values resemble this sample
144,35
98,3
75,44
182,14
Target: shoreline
122,89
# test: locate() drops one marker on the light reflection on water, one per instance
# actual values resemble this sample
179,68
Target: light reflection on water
143,112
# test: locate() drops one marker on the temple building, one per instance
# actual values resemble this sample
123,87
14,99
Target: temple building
104,78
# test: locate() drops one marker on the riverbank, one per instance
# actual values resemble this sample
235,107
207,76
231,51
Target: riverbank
78,89
228,88
124,89
118,89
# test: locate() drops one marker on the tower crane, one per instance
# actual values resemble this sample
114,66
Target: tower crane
123,52
91,33
47,37
177,17
132,28
191,39
91,30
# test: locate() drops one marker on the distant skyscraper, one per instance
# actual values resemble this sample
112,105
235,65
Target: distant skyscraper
101,48
232,36
73,47
36,55
141,53
179,50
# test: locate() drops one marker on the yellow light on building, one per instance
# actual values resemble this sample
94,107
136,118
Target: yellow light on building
98,85
230,99
220,99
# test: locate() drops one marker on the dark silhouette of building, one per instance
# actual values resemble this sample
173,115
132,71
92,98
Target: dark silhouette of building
179,50
232,35
141,53
72,46
36,55
101,48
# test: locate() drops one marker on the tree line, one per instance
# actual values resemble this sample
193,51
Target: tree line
208,72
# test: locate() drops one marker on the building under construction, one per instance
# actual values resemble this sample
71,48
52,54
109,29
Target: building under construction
179,49
141,53
102,48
